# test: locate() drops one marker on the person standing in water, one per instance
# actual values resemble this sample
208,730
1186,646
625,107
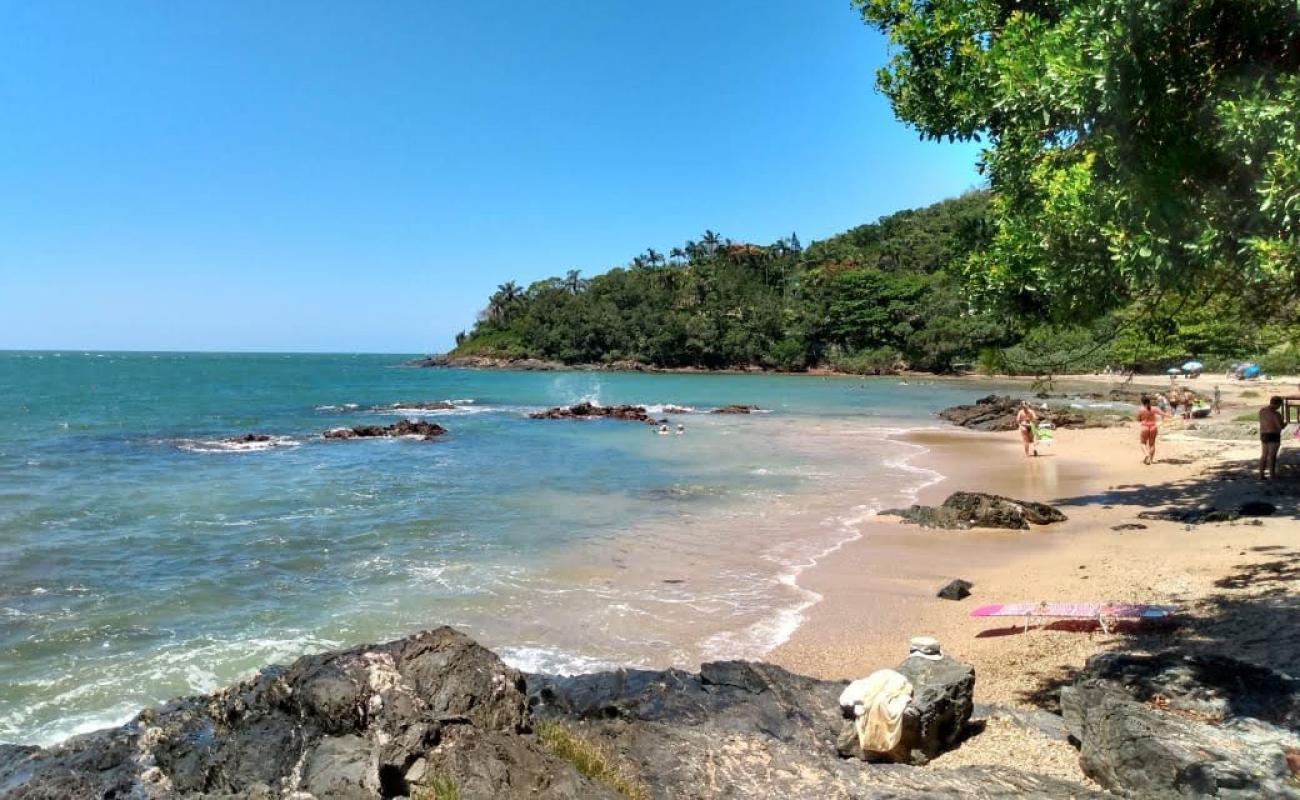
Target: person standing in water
1148,417
1270,437
1026,421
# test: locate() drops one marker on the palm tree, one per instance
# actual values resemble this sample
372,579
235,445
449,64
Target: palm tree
677,255
573,281
653,256
509,292
711,241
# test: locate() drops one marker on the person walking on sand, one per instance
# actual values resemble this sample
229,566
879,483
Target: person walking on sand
1218,399
1270,437
1148,417
1026,421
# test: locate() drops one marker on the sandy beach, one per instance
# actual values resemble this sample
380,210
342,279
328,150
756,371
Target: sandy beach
1231,581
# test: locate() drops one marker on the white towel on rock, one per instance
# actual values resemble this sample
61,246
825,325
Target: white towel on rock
878,702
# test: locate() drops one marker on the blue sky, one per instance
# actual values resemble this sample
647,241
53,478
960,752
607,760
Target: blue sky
359,176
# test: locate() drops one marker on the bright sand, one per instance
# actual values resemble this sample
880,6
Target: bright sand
880,589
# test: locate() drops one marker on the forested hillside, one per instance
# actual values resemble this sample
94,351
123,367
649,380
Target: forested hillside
878,297
889,295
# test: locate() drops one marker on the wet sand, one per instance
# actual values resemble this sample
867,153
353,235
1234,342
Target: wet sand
1232,580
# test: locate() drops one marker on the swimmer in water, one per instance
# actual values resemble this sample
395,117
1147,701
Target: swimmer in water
680,429
663,430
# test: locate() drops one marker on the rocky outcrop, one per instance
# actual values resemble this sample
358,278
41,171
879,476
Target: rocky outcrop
736,410
435,710
412,428
1175,725
936,719
586,410
741,730
998,413
964,510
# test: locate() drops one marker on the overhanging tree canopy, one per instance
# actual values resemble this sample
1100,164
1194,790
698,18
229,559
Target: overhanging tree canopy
1138,149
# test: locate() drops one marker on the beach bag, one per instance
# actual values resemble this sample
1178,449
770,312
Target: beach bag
1045,434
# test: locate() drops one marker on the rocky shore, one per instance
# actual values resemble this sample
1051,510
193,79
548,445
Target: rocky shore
436,715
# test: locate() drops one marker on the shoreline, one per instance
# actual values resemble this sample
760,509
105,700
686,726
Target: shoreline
1096,477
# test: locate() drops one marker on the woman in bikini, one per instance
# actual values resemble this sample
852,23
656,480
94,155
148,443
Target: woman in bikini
1148,423
1026,419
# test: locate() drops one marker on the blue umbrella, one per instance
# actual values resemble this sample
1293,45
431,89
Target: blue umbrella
1193,366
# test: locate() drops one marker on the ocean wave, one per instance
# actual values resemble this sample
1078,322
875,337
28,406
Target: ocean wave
552,661
339,407
235,444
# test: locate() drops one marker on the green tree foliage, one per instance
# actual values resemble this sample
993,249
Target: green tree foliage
1138,150
877,297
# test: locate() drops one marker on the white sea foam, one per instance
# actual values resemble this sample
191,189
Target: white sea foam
551,661
234,446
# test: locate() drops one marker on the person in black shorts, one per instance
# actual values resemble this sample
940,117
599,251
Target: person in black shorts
1270,437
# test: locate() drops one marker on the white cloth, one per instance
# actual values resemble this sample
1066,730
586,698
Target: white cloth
878,702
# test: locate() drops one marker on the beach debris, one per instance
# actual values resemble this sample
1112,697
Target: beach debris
736,409
1179,725
588,410
406,428
957,589
965,510
936,716
1129,526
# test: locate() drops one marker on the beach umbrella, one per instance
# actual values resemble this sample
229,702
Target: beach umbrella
1193,366
1173,370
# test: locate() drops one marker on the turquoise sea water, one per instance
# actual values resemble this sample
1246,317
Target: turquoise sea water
142,558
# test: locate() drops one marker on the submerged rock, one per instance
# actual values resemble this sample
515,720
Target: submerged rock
956,590
964,510
249,438
406,427
1173,725
414,717
435,405
586,410
736,410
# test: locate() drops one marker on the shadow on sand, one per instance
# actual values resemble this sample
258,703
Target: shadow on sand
1253,619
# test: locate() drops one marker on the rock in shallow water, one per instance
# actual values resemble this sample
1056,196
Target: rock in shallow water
419,429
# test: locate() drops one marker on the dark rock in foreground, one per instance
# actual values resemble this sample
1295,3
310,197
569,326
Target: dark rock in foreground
592,411
998,413
936,719
406,427
956,590
964,510
1171,726
736,410
437,710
